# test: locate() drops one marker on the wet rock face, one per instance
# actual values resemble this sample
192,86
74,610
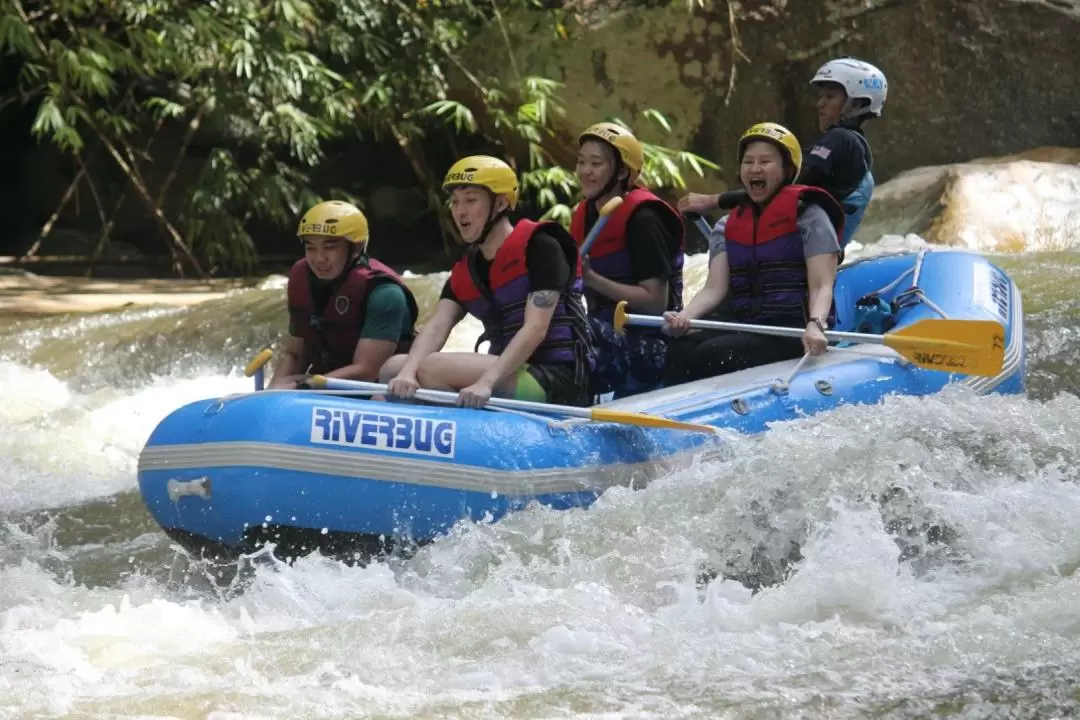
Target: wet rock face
1028,201
967,78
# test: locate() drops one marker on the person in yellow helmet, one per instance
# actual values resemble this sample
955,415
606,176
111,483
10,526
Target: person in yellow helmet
348,312
523,282
775,265
637,257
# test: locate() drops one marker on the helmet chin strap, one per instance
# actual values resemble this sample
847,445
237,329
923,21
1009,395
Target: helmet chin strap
851,112
493,217
357,255
610,184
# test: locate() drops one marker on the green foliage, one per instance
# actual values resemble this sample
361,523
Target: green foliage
266,86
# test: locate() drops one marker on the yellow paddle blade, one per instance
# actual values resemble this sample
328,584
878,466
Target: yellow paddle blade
971,347
258,361
653,421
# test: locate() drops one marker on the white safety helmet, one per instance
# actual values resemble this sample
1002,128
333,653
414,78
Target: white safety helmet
859,80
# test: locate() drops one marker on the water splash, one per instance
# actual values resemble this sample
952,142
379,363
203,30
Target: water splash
598,611
64,447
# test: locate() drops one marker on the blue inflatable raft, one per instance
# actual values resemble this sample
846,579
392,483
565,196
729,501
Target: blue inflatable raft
342,474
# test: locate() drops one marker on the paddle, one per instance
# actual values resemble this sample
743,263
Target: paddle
702,224
594,414
255,367
605,213
967,347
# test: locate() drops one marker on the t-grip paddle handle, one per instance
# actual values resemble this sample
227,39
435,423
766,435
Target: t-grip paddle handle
255,367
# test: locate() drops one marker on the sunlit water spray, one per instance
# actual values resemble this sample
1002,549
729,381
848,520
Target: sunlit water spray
598,610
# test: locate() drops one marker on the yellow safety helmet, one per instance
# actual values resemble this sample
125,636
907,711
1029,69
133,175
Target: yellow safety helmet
778,135
484,171
335,219
629,147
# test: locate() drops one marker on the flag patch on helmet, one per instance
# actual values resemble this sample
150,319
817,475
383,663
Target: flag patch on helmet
821,151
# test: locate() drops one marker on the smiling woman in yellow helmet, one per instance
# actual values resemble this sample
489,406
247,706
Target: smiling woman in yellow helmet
523,282
637,257
774,265
348,313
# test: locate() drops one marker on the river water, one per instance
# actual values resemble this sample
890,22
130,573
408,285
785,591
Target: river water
959,597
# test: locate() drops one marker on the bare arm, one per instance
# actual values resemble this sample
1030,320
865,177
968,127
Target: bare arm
434,334
713,292
539,309
821,273
291,363
648,296
368,357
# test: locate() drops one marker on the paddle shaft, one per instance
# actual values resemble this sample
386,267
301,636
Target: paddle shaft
605,213
591,238
656,321
594,414
450,398
702,225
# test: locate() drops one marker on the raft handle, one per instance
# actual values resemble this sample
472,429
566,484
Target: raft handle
781,386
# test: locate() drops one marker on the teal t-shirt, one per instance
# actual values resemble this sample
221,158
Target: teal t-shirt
387,314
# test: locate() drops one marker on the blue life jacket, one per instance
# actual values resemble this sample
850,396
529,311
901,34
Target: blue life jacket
855,203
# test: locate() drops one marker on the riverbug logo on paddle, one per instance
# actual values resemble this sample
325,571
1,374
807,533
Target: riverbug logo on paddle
381,431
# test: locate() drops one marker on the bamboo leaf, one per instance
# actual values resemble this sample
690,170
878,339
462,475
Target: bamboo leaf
50,121
657,117
16,38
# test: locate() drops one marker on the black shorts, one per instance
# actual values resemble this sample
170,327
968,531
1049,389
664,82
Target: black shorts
707,353
559,383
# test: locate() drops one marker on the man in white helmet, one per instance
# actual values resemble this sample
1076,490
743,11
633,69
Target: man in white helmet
849,92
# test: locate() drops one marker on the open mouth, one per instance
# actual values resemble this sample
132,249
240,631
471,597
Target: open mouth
757,184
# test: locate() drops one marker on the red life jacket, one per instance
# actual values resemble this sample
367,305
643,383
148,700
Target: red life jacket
765,255
610,257
498,301
331,332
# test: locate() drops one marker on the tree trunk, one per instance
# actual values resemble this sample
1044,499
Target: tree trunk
177,242
415,155
48,226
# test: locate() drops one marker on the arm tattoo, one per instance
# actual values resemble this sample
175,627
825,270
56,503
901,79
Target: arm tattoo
544,298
